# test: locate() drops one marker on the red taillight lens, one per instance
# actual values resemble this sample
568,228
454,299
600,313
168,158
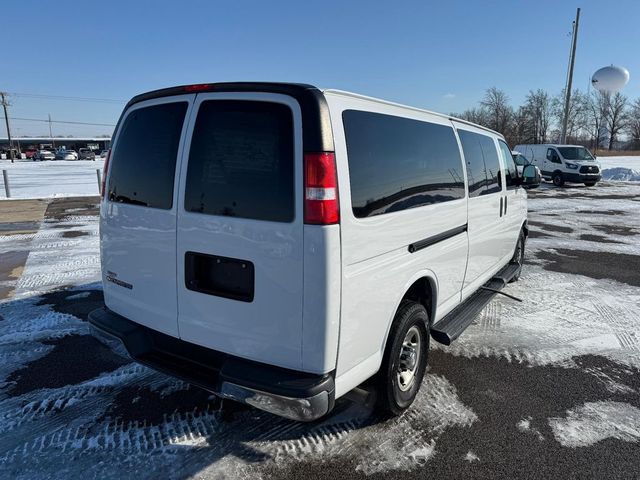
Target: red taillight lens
321,205
105,171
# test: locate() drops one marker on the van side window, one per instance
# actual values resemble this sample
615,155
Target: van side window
483,164
241,161
143,163
552,156
398,163
511,171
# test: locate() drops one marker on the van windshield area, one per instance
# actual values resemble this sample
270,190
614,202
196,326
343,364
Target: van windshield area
575,153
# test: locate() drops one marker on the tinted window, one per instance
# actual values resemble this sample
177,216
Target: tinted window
553,156
241,161
143,163
483,164
511,172
575,153
491,163
476,175
397,163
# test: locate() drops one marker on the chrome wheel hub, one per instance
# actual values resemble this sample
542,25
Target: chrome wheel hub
409,359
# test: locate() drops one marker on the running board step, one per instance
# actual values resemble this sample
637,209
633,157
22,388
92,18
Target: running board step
455,322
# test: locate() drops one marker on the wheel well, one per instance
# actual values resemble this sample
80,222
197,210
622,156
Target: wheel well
423,291
557,171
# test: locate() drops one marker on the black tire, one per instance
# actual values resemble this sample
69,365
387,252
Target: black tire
558,181
589,184
518,257
393,397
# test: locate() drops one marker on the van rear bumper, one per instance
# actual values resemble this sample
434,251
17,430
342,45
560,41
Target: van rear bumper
295,395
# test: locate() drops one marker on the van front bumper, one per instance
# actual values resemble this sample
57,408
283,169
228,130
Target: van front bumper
288,393
581,177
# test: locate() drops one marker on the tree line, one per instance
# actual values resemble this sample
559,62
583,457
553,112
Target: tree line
598,120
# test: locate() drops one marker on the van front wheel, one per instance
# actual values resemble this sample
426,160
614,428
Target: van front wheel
405,359
558,181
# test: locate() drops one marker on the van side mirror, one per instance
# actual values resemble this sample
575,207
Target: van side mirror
530,177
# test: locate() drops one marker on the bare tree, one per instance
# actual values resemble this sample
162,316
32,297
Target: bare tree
475,115
616,115
633,124
596,114
537,110
578,120
496,105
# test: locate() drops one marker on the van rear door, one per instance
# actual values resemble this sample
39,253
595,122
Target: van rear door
240,227
138,213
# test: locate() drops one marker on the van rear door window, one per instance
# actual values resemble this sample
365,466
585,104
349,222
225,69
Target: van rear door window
241,161
143,163
398,163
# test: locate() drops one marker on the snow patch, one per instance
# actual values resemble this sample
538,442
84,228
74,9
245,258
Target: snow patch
52,179
471,457
400,443
597,421
621,174
524,426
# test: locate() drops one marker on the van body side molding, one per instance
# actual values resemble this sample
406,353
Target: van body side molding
427,242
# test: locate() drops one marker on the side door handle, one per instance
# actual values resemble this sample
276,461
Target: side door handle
501,206
505,204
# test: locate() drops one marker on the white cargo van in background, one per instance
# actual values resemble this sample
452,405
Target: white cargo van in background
563,163
278,245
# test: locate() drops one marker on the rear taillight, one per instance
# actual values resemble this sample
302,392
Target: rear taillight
321,205
105,171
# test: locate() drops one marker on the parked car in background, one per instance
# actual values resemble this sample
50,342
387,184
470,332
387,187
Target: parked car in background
521,162
43,155
86,154
314,239
66,155
563,163
30,152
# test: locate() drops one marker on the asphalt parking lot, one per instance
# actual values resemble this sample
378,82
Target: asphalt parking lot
547,388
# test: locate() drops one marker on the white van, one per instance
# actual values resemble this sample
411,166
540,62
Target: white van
563,163
279,245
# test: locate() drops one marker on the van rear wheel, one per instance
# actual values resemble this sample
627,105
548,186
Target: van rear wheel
405,359
558,181
589,184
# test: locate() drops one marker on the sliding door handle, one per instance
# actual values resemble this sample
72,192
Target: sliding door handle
505,205
501,206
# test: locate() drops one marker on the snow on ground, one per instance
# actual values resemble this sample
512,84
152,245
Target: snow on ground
124,419
623,169
53,178
597,421
632,162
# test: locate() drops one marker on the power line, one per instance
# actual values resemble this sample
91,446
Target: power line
63,97
63,121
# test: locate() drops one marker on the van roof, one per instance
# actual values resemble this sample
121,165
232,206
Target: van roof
311,98
409,107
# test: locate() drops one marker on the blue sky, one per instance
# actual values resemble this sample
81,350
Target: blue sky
436,55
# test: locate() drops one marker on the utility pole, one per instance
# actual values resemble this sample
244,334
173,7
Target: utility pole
567,95
5,104
53,143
